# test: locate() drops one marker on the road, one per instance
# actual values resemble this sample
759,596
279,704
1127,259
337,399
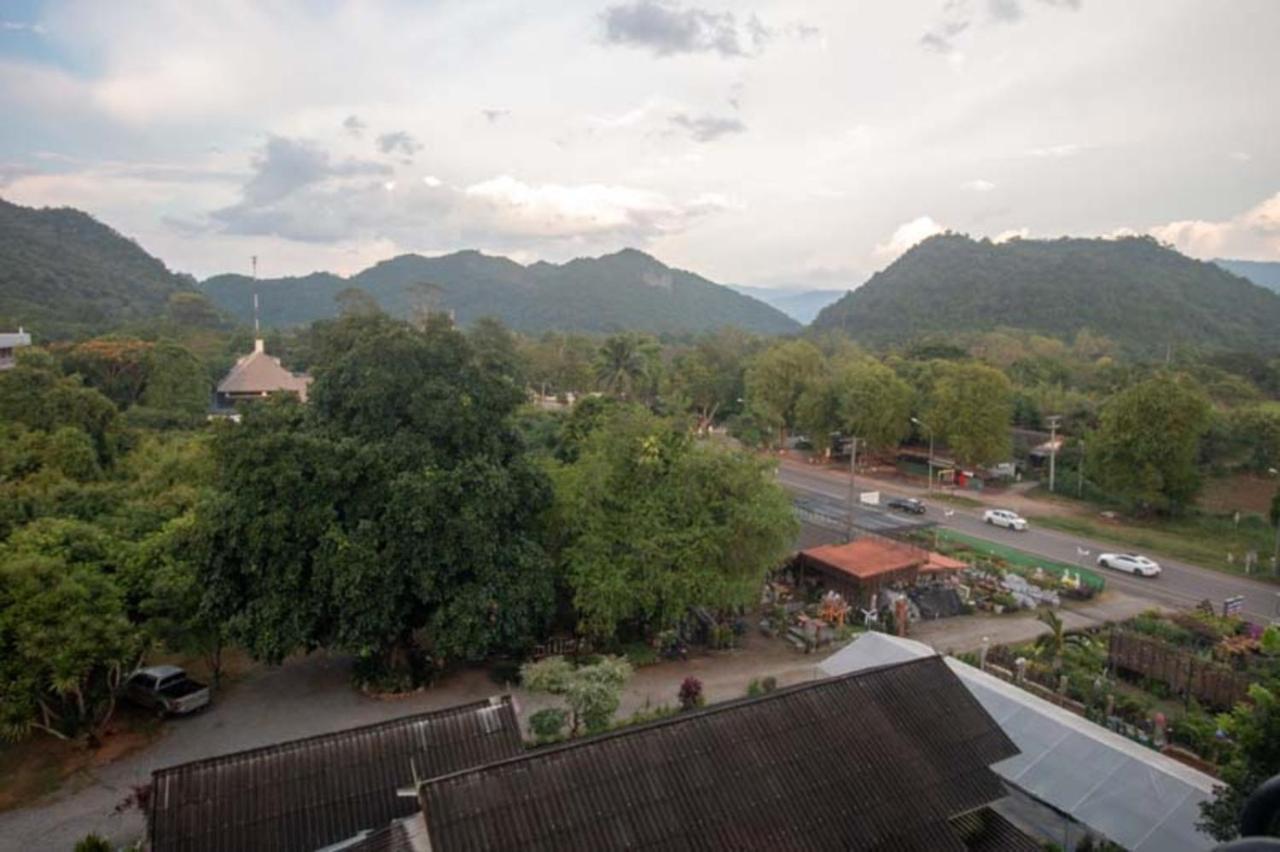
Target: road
1180,584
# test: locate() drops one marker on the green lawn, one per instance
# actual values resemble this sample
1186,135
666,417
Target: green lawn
1020,558
958,500
1201,539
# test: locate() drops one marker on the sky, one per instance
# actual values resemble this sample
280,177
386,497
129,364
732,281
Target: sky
797,144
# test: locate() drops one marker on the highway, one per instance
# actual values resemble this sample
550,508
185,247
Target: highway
1179,585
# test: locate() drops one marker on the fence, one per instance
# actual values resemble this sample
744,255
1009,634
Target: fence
1182,671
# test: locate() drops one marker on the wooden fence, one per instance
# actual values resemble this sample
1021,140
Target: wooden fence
1182,671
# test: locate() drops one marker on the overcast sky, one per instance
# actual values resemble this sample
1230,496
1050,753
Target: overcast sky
796,143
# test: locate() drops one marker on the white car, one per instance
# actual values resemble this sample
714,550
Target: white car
1131,562
1005,518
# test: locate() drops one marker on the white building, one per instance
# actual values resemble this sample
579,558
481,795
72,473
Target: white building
10,343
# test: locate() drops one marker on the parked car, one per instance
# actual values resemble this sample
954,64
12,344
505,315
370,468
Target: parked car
906,504
1130,562
1005,518
167,689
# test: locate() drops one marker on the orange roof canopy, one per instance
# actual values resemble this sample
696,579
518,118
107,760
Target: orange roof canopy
866,558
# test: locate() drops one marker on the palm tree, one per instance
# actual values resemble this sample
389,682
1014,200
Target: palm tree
1055,642
622,364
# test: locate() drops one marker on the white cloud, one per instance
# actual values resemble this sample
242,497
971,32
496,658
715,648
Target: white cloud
907,235
1240,156
1012,234
979,185
1253,234
432,181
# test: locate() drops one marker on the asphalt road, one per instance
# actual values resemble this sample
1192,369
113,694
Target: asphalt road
1179,585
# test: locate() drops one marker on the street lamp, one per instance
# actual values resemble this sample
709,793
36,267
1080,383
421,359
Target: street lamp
927,428
1275,554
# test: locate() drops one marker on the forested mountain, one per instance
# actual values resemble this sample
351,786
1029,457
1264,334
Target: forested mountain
62,271
626,290
800,305
1260,272
1141,294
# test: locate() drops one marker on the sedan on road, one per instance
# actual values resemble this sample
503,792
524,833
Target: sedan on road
1005,518
906,504
1131,563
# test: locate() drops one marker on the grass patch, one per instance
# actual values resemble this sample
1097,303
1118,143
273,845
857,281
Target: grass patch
958,500
1201,539
1022,559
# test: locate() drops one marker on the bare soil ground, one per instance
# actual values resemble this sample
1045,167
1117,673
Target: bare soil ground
1246,492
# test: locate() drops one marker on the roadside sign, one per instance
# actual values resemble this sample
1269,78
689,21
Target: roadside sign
869,498
1233,605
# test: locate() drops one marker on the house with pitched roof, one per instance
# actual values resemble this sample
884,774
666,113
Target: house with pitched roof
257,376
10,343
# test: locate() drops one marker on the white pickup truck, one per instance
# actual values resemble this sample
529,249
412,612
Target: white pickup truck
167,689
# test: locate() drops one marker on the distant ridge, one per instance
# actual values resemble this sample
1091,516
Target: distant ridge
625,290
62,271
1264,273
800,305
1141,294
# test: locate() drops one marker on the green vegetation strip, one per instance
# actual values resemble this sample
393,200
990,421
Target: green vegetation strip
1022,559
1203,540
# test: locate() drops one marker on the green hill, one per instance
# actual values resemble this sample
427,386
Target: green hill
1260,272
626,290
62,272
1139,293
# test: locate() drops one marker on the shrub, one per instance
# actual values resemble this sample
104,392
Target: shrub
640,654
94,843
691,694
769,684
548,723
754,689
505,672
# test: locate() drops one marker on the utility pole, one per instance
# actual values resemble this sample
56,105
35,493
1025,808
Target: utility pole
853,494
1053,449
257,329
927,427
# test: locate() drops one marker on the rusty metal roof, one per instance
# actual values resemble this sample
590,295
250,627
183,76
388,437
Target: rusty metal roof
877,760
868,557
306,794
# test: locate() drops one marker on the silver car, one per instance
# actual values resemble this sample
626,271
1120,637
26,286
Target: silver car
167,689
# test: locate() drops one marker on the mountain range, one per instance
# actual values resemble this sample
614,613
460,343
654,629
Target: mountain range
625,290
801,305
1260,272
1141,294
62,271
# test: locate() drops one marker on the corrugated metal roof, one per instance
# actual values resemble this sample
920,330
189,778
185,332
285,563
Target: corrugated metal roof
876,760
984,830
309,793
1133,795
14,339
867,557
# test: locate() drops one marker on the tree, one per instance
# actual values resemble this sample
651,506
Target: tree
194,309
495,349
356,301
655,522
394,516
1254,728
626,364
1145,450
971,409
872,403
778,378
709,376
65,645
592,692
176,381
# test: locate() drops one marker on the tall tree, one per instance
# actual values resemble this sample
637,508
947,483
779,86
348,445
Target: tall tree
1145,449
655,523
394,516
625,364
778,377
971,408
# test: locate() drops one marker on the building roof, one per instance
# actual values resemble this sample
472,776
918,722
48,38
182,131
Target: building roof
313,792
878,759
14,339
937,563
867,557
260,373
1133,795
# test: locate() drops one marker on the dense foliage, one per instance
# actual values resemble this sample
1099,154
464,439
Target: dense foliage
1142,295
393,517
655,522
62,271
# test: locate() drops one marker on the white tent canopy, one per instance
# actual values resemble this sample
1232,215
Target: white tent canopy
1135,796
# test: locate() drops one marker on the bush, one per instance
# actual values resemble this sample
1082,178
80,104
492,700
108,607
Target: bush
94,843
691,694
754,689
769,684
640,654
547,724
